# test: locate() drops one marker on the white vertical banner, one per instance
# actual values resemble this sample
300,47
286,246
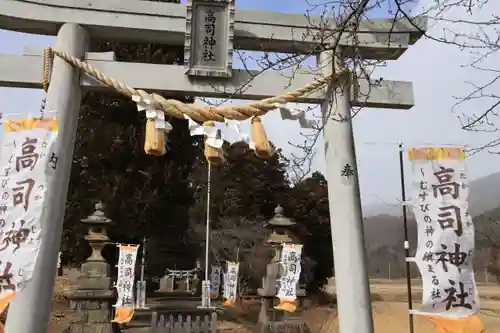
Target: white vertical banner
215,281
290,275
231,283
26,164
125,305
126,275
445,247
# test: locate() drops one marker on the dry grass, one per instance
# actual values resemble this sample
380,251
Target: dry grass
392,317
390,310
60,304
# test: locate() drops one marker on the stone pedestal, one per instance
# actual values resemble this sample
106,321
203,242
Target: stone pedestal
91,311
91,300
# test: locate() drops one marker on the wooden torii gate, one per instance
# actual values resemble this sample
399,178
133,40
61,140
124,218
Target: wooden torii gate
74,22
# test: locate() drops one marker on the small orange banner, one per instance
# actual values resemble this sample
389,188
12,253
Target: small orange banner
26,124
5,300
228,302
287,305
471,324
436,154
123,315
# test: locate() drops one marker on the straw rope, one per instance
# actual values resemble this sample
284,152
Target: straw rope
47,60
178,109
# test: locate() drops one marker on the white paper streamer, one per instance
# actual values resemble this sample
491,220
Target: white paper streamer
197,129
194,127
286,114
243,136
212,133
148,106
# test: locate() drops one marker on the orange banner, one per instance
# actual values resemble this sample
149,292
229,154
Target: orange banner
26,124
5,300
433,153
471,324
123,315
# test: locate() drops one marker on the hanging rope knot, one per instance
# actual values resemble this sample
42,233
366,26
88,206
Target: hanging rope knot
48,55
157,127
213,143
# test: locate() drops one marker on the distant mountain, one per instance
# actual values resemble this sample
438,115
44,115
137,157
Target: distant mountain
484,196
387,231
382,209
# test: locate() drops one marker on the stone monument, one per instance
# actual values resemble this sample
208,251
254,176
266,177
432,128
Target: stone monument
270,319
92,299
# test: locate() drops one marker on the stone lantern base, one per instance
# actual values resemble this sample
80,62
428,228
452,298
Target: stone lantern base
91,311
272,320
290,325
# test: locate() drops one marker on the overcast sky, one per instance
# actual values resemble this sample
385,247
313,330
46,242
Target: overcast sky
436,72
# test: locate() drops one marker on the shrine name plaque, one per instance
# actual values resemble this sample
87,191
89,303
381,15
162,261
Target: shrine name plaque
208,47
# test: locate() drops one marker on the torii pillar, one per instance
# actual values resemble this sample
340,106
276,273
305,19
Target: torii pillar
33,304
346,218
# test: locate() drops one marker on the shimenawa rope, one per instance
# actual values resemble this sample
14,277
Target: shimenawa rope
200,114
155,137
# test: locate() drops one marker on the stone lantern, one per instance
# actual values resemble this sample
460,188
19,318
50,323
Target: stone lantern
269,318
97,236
91,301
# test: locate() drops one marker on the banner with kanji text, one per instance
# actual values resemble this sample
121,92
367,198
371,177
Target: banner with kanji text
230,291
125,305
445,246
27,163
289,278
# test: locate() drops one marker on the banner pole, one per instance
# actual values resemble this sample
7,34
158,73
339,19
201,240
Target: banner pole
206,283
406,242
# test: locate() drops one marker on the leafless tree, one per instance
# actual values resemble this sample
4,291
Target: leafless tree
241,240
473,27
329,22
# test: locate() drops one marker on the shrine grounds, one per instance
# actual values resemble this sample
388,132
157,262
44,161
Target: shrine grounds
389,309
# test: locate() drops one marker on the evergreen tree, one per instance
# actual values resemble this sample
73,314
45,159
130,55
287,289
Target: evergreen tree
308,206
145,196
